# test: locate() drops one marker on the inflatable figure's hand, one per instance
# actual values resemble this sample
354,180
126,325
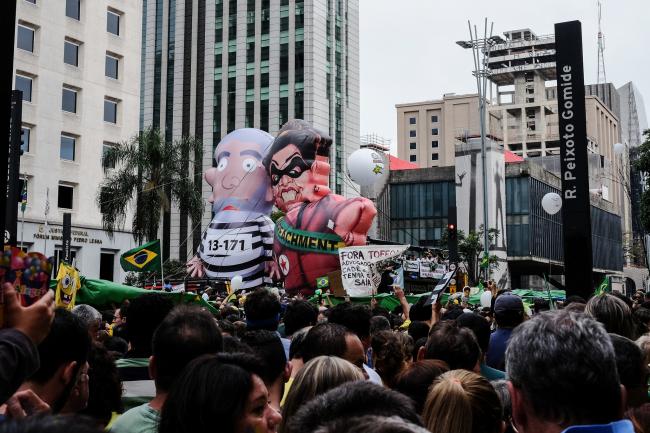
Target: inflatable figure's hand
354,220
195,267
272,269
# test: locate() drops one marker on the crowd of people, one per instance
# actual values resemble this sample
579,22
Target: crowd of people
265,363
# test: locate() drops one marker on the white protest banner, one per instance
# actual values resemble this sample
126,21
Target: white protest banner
358,266
426,269
411,266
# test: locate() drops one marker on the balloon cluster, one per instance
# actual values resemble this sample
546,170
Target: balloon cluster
25,270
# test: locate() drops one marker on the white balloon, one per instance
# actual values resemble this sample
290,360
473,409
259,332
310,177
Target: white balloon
236,283
619,148
552,203
486,298
365,166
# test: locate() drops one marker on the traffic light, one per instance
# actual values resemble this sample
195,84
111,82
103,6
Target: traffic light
452,234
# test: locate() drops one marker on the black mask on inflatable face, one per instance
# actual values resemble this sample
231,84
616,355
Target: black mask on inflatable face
289,170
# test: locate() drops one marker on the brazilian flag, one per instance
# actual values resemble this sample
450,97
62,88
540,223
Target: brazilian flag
144,258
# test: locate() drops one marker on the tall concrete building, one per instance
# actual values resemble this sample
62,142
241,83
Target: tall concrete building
427,132
77,63
210,67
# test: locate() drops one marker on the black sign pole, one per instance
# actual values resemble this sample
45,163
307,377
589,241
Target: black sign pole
67,237
7,22
452,237
576,216
13,187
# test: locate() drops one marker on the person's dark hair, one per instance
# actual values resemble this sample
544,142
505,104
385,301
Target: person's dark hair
324,339
268,347
226,327
479,326
421,342
622,297
117,345
145,314
306,138
211,388
418,330
540,304
613,313
632,369
234,345
416,379
50,424
379,323
642,315
355,317
104,386
388,355
565,367
509,318
186,333
297,341
230,313
68,341
352,399
299,314
455,345
419,311
452,313
640,418
262,310
501,388
371,424
381,311
574,298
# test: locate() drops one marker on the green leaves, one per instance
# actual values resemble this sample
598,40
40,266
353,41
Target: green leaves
148,174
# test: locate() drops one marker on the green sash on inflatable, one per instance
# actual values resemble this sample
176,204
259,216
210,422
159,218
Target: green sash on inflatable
308,242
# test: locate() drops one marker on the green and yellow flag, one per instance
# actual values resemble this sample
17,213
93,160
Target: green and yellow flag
144,258
603,287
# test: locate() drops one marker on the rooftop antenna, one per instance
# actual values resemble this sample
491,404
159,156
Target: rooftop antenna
602,77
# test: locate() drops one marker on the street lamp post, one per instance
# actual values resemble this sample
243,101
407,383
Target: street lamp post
481,53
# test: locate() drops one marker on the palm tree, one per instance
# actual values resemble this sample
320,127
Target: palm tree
150,173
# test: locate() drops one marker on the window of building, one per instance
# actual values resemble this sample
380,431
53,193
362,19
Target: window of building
411,120
434,131
434,119
105,148
25,85
412,146
412,133
434,157
72,9
58,256
25,38
71,53
106,266
113,23
66,196
413,158
69,100
110,111
25,135
434,143
31,1
112,65
67,149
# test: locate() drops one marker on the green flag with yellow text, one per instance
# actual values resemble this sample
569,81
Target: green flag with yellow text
144,258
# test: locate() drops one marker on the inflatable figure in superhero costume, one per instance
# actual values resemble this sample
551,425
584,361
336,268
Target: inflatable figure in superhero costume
317,223
239,239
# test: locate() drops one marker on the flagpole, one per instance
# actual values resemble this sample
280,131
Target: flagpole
162,272
22,227
47,211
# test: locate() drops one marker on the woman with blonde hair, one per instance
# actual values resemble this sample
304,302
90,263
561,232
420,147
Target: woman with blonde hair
316,377
461,401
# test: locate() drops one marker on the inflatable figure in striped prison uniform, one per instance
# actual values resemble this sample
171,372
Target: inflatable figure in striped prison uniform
239,239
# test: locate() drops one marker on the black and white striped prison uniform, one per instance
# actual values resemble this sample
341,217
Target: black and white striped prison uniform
238,243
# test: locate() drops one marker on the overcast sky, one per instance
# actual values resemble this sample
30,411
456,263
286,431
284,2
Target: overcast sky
408,50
